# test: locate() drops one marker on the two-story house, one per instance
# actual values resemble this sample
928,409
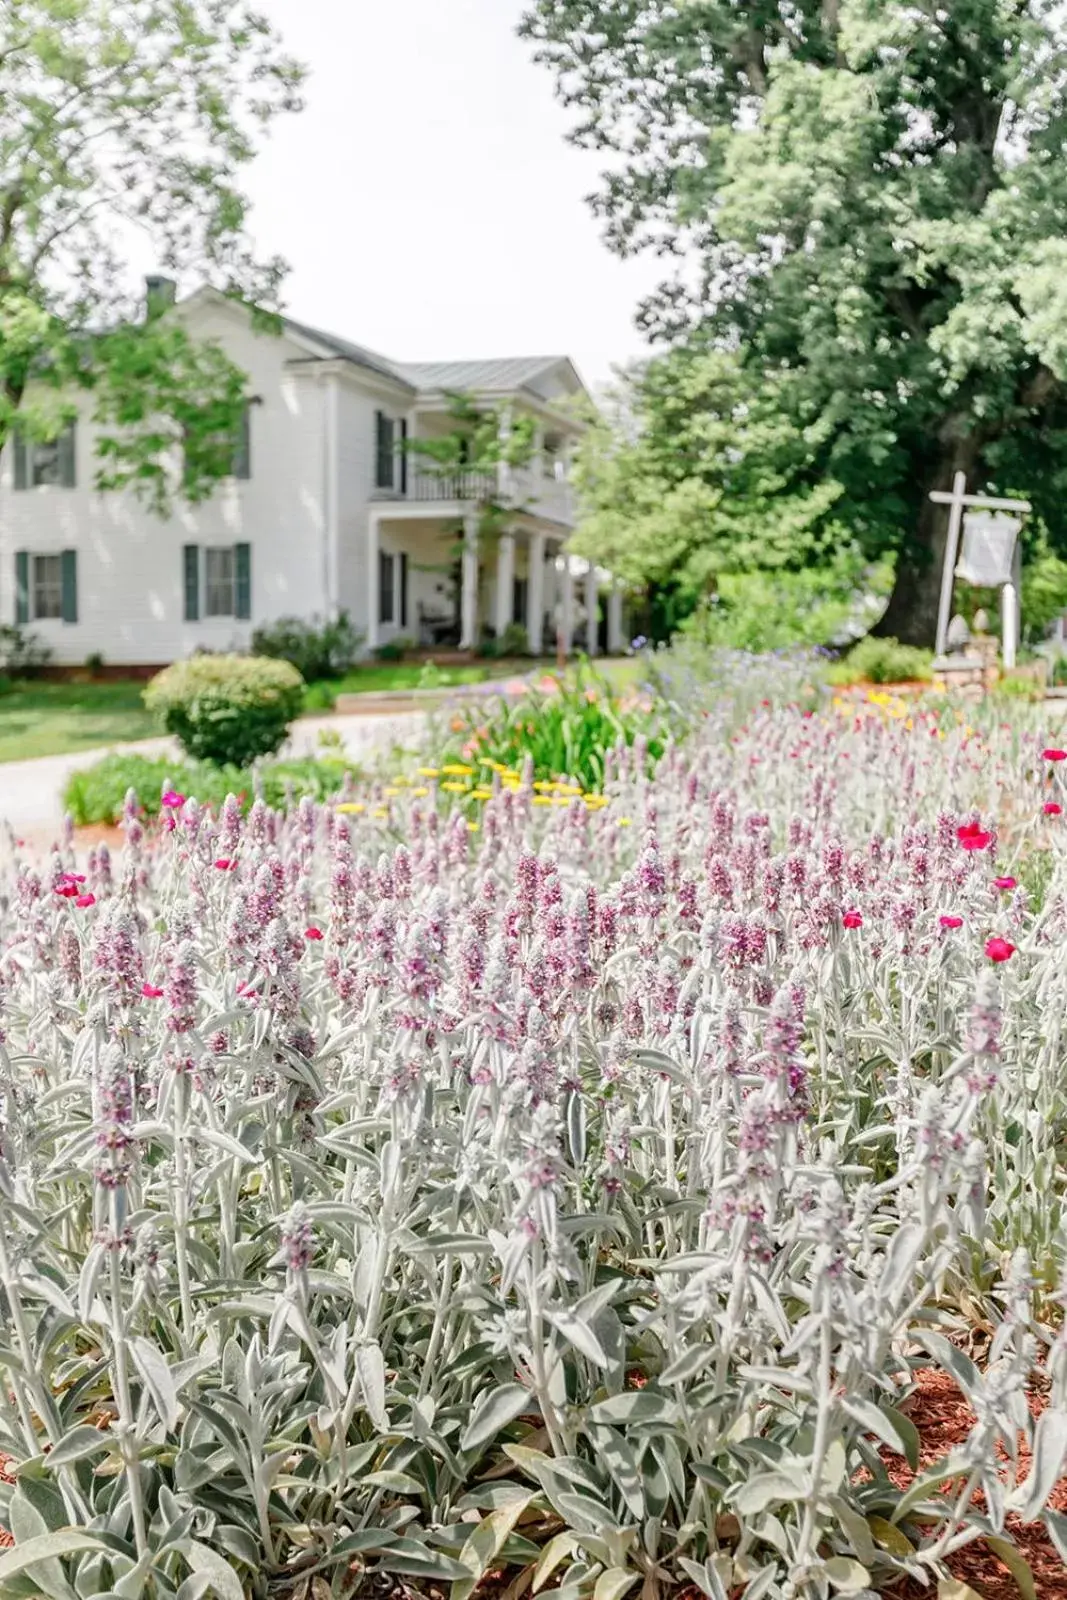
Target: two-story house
328,509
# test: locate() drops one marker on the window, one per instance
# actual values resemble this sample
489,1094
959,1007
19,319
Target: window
47,587
520,592
385,451
241,460
219,576
43,464
222,575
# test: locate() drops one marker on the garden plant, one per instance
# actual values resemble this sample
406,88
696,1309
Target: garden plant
559,1191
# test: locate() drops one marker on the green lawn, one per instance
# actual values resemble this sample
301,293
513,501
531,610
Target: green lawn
48,719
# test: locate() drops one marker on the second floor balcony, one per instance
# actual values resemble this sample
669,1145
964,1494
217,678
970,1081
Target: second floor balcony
534,488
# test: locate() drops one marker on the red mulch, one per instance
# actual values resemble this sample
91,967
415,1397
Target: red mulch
6,1477
944,1419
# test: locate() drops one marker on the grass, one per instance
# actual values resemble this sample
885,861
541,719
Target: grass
47,719
50,719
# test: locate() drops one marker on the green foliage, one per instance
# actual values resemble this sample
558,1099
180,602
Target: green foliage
98,793
138,114
317,650
514,641
22,654
882,661
566,729
781,610
871,197
227,708
481,440
1012,687
394,649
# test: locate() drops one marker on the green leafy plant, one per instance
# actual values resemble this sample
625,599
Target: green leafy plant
98,793
229,709
22,654
316,649
882,661
394,649
514,641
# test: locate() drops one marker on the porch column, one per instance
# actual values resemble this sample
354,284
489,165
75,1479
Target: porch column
535,593
566,606
468,635
592,641
373,530
505,583
614,620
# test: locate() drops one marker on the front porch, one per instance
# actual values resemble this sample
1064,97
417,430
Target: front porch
442,588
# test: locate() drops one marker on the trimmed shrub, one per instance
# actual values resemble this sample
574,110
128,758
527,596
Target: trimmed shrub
316,650
883,661
227,708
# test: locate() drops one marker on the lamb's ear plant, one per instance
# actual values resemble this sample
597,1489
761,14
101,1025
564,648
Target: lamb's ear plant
580,1195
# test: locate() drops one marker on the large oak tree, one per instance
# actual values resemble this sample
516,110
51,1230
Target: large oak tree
123,121
869,203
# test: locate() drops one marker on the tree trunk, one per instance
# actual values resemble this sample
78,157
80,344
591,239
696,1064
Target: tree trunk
911,615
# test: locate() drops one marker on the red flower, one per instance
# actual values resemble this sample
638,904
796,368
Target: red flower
1054,755
150,991
84,900
1004,883
1052,809
972,836
312,933
852,919
998,949
224,863
952,922
171,797
66,891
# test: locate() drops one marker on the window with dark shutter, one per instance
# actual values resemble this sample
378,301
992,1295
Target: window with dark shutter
403,455
69,585
242,555
65,451
47,596
385,461
22,587
191,578
386,608
402,562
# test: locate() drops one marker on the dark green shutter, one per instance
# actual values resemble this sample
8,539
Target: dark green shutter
242,558
191,568
22,586
403,589
69,569
383,465
65,451
22,460
403,455
242,456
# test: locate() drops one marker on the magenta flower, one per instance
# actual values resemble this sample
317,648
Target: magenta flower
151,992
312,933
1004,883
951,922
852,919
85,900
171,798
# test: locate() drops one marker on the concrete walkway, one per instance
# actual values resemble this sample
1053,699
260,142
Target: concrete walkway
30,791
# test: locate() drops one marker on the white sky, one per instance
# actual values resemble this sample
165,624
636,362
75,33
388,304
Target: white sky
426,198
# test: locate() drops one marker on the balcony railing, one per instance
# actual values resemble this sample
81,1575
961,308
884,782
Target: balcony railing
452,486
525,487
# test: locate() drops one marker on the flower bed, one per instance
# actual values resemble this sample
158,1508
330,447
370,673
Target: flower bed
571,1195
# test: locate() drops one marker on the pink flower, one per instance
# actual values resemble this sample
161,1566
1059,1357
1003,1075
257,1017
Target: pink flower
1054,755
1004,883
972,836
312,933
150,991
66,891
171,797
998,949
84,900
951,922
852,919
224,863
1052,809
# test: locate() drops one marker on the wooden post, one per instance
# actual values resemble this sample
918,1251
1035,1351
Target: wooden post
952,550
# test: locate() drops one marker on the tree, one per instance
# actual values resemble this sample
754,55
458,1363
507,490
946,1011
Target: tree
867,198
119,118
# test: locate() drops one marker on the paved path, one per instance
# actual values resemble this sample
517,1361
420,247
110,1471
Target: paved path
30,790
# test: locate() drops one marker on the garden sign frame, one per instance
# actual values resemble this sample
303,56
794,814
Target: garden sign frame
957,499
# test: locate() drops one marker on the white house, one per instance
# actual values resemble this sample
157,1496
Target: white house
327,511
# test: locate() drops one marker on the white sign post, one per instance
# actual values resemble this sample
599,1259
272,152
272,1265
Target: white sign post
991,556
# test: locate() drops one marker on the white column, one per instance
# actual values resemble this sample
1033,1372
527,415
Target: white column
535,593
373,529
615,645
505,583
592,641
566,605
468,638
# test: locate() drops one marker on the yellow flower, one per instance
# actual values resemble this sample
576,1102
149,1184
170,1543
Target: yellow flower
428,772
481,794
454,788
419,794
472,827
350,806
569,789
545,785
391,791
509,772
456,769
494,766
624,822
543,800
596,802
380,811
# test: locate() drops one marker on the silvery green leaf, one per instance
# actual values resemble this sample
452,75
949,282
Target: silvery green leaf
157,1378
614,1583
766,1489
194,1587
635,1406
620,1459
78,1444
1056,1525
201,1558
705,1577
578,1333
1049,1454
493,1410
28,1554
396,1482
581,1511
891,1426
485,1543
845,1575
370,1366
558,1548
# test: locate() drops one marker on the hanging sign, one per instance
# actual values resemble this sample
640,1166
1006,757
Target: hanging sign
988,549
